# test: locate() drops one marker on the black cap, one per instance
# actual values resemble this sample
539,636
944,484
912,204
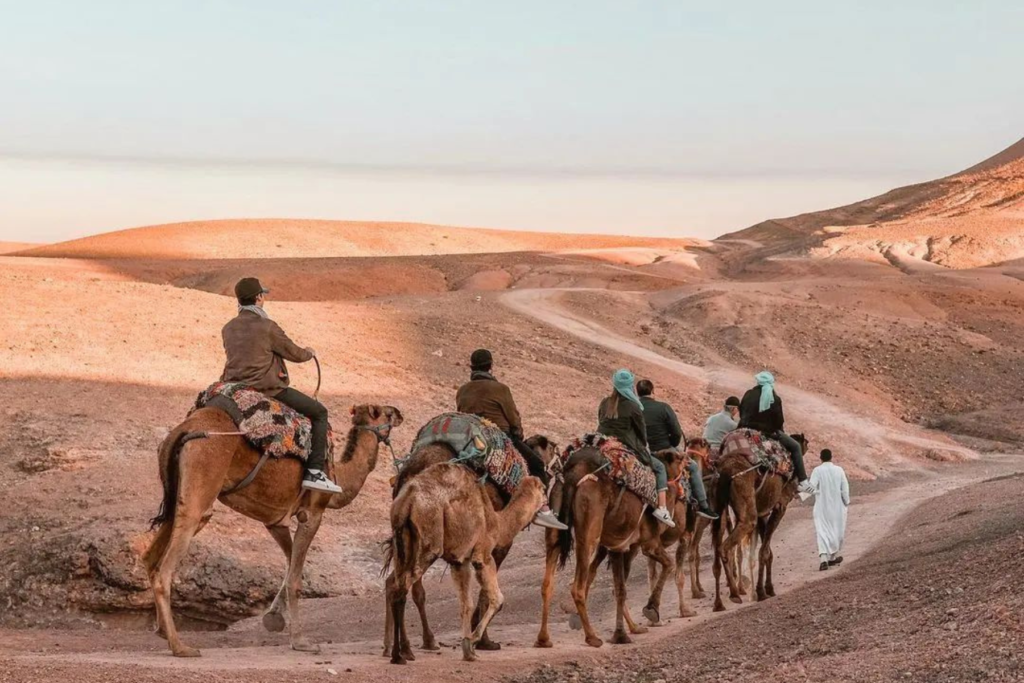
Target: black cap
249,288
481,358
732,401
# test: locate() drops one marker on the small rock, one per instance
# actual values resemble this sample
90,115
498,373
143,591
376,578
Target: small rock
332,672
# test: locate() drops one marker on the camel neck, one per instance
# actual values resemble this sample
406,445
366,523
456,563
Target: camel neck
352,473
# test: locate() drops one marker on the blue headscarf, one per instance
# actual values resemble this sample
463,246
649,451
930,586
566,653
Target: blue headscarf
766,381
623,381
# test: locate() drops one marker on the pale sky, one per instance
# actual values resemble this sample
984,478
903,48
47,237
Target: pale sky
656,90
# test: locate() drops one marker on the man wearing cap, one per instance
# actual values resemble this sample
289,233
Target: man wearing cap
486,397
721,423
256,349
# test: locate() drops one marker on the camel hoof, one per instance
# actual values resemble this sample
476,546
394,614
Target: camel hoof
699,595
398,660
467,650
273,622
408,655
769,591
543,643
621,638
186,651
161,633
303,645
719,607
430,645
736,599
652,615
488,646
575,623
638,630
594,641
687,613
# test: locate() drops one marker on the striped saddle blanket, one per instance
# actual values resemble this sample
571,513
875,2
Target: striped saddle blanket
624,467
758,449
479,444
270,426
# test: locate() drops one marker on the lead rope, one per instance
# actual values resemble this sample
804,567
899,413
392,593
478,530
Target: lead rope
318,377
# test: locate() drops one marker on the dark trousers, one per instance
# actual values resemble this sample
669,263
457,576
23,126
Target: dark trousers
533,461
795,452
317,414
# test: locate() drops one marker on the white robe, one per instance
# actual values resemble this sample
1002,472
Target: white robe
832,496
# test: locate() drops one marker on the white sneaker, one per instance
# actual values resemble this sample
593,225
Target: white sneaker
805,490
663,516
547,519
316,480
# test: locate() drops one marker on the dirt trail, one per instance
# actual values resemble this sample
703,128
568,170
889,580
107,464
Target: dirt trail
351,627
544,305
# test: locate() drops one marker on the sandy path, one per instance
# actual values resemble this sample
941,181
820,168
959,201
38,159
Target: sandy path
355,624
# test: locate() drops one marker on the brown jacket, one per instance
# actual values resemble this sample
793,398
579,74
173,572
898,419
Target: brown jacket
487,397
256,349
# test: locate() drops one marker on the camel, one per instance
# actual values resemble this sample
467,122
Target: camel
416,463
604,521
686,520
759,502
196,472
444,512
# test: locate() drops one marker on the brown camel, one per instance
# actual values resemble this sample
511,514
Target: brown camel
759,502
604,521
686,520
445,513
195,473
416,463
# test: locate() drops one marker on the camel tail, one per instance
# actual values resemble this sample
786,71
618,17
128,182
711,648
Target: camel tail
405,543
388,549
565,514
170,454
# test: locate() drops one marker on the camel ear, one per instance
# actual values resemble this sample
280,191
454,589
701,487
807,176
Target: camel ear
352,409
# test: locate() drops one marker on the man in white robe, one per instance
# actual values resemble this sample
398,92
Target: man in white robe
832,497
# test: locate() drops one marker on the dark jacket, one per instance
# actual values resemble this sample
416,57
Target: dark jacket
628,426
487,397
751,417
663,430
256,349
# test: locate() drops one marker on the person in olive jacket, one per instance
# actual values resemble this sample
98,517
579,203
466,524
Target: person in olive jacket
256,348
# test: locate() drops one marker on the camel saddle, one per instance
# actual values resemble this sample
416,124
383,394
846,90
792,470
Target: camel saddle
760,451
479,444
268,425
624,467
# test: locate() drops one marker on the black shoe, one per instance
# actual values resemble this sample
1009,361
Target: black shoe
706,512
838,560
823,566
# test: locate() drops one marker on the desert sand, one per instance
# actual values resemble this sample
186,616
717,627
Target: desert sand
904,359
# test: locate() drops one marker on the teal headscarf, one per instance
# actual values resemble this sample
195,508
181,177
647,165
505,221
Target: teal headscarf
623,381
766,381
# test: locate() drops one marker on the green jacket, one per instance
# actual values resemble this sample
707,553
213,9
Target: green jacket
628,427
663,429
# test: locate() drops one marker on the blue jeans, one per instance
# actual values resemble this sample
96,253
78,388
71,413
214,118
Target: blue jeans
660,475
697,482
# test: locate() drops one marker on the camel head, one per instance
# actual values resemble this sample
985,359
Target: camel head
699,449
544,447
804,442
373,418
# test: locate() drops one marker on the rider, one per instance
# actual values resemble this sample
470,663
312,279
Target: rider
761,409
256,349
664,433
721,423
486,397
622,415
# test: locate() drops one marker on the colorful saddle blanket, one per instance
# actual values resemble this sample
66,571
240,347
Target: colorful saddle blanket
758,449
478,443
269,425
624,467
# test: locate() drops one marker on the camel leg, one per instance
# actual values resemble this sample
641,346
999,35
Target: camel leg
487,577
585,552
656,552
461,576
486,643
696,590
151,560
575,623
187,521
681,550
419,598
273,618
717,530
746,514
389,597
547,588
304,536
767,556
627,566
617,561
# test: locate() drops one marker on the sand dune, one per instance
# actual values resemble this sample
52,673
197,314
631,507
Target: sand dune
10,247
289,238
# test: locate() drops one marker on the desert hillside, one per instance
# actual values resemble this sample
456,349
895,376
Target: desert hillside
287,238
969,219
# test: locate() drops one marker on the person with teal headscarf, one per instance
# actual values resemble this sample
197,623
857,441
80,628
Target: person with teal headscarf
621,415
761,409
